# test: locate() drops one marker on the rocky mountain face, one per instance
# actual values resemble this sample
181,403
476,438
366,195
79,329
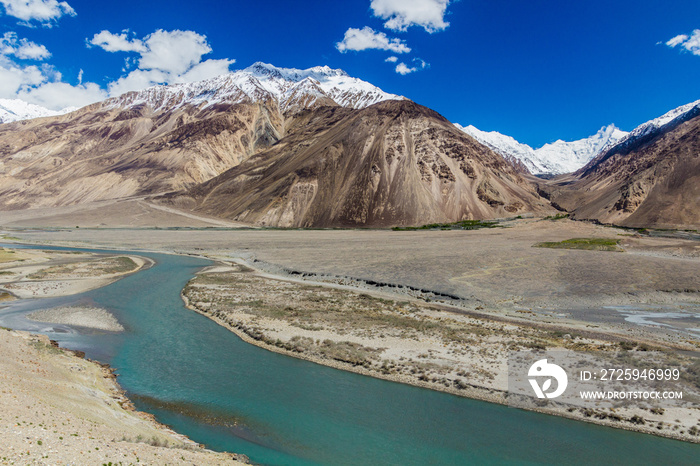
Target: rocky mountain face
268,146
650,178
393,163
164,138
102,152
556,158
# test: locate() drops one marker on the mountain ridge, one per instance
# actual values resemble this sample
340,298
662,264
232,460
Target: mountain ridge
646,132
651,178
297,142
258,83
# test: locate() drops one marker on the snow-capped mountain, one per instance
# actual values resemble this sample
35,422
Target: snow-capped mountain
649,129
555,158
570,156
506,146
663,120
16,109
649,178
289,87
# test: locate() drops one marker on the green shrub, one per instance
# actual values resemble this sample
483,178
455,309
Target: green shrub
592,244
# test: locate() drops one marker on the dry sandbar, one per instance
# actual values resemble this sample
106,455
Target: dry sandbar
89,317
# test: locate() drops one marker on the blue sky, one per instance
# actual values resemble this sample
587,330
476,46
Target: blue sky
536,70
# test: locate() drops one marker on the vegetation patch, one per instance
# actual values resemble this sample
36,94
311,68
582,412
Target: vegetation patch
8,255
592,244
46,348
463,225
556,217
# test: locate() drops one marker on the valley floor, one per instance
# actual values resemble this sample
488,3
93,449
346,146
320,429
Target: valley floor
440,309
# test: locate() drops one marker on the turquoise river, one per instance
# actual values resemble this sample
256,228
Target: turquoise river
205,382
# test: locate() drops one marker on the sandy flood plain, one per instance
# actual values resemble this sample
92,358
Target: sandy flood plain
410,341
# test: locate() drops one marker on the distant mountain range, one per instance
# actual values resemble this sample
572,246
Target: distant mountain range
551,159
16,110
288,147
163,138
290,87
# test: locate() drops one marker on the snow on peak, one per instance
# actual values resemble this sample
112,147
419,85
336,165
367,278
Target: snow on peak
554,158
319,73
507,146
657,123
16,110
261,82
568,157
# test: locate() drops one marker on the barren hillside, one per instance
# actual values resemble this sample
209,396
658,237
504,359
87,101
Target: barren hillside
393,163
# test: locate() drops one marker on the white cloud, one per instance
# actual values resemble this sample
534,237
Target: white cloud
116,42
32,51
392,59
165,57
44,11
204,70
421,63
42,85
403,69
58,95
136,80
173,51
690,43
402,14
23,49
14,77
367,38
677,40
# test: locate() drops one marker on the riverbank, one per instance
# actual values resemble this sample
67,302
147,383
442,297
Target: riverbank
58,408
405,340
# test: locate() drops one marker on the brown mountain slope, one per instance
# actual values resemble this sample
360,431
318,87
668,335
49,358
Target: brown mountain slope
104,152
652,183
393,163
